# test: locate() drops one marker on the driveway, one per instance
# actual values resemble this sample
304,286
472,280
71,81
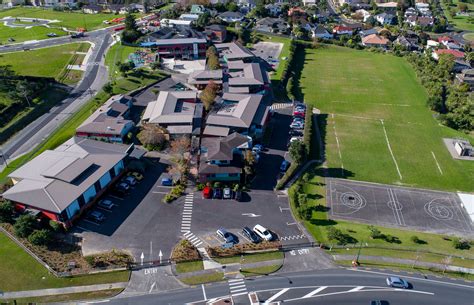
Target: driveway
140,222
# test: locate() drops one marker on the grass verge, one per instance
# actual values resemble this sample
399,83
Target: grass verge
202,279
251,258
185,267
260,270
82,296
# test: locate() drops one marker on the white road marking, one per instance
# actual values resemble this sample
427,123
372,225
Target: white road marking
235,280
155,192
152,286
390,149
204,292
237,294
314,292
437,164
275,296
356,289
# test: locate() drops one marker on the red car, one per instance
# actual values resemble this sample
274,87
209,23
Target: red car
207,192
298,113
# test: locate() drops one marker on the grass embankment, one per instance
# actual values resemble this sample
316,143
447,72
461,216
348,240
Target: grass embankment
19,271
202,279
264,270
461,22
117,53
82,296
362,96
185,267
23,34
251,258
67,129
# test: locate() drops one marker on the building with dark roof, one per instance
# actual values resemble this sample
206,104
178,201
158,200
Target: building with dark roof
221,158
63,182
216,33
246,78
201,78
233,51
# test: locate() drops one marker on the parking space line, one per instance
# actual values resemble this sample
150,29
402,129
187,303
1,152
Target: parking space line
94,223
102,209
155,192
244,237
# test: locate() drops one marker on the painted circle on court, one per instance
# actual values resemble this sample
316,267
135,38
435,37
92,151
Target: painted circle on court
395,205
438,210
353,200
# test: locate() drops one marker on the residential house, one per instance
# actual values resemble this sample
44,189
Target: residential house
297,15
342,30
410,12
274,9
221,159
234,51
189,17
431,44
109,122
425,21
60,184
457,54
320,31
231,17
388,6
175,22
198,9
423,8
375,40
246,5
385,18
180,112
272,25
242,113
411,44
246,78
200,79
368,32
364,14
92,9
466,77
216,33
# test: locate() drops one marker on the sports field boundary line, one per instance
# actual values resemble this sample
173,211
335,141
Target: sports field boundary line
381,104
437,164
390,149
337,143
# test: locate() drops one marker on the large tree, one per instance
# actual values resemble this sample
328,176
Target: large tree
152,136
208,95
131,33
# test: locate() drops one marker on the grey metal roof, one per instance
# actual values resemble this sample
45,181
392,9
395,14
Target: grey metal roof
235,110
55,178
203,77
216,131
233,50
222,148
172,107
250,74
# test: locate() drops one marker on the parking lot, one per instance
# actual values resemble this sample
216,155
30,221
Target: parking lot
268,51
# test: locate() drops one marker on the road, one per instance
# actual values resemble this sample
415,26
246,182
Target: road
334,286
95,77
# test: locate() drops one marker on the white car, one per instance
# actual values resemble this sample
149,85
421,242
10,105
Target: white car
262,232
130,180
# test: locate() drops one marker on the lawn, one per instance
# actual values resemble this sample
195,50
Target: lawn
19,271
46,62
251,258
70,20
117,53
202,279
265,270
460,22
469,36
22,34
185,267
94,295
374,104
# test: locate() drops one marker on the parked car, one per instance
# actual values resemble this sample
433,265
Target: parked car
207,192
96,216
227,193
166,181
262,232
258,148
379,302
106,204
297,125
238,195
77,35
130,180
257,156
300,105
284,166
298,120
136,175
226,236
299,113
396,282
122,186
52,35
295,133
217,193
250,235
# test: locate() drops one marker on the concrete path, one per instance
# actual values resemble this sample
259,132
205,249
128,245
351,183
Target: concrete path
409,262
58,291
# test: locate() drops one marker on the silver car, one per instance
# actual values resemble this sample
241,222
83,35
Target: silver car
396,282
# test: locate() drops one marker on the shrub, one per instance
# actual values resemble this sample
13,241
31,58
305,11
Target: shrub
6,211
302,199
55,226
217,184
289,173
374,232
308,132
106,259
417,240
338,236
25,225
40,237
200,186
461,244
305,212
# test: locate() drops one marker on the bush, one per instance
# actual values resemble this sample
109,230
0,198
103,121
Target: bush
374,232
40,237
200,186
338,236
308,133
55,226
461,244
417,240
6,211
112,258
289,173
25,225
305,212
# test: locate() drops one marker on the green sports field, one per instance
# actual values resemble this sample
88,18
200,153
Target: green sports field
358,90
461,22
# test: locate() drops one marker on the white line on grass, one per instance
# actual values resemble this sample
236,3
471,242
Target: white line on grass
337,142
390,149
381,104
437,164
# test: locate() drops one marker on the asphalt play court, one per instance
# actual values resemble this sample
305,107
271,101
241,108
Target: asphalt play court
400,207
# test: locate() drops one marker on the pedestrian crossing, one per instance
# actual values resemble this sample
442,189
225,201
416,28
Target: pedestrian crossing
293,237
187,213
280,106
237,287
193,239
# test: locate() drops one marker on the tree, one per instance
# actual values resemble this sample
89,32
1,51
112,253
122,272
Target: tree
244,35
212,58
152,136
232,6
24,225
208,95
131,33
290,89
203,20
6,211
124,67
180,146
249,163
155,65
24,90
40,237
297,152
108,88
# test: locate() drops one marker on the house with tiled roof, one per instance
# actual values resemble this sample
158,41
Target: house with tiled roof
342,30
457,54
375,40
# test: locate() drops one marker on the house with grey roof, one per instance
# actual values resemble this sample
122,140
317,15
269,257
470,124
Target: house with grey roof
109,122
246,78
61,183
221,158
319,31
242,113
233,51
180,112
201,78
231,17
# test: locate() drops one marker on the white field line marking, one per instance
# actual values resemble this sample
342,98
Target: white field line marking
275,296
337,143
390,149
437,164
204,292
382,104
355,117
152,286
312,293
412,277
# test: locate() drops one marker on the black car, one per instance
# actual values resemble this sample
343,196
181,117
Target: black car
247,232
217,193
295,133
238,195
